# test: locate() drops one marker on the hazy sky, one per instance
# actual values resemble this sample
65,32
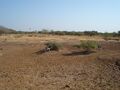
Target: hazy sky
99,15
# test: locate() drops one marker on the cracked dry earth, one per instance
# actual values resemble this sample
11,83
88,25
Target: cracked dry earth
22,69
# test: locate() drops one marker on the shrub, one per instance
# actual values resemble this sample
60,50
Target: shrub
91,33
53,46
88,45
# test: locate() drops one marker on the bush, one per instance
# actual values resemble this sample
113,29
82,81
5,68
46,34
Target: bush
88,45
91,33
53,46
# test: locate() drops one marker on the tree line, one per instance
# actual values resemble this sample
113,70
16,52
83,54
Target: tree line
77,33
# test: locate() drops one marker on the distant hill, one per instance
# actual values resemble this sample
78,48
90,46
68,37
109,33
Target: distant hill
4,30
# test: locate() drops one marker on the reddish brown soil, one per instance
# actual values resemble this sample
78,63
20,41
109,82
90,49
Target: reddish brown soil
22,69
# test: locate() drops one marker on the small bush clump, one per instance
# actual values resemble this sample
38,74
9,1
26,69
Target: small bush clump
88,45
52,46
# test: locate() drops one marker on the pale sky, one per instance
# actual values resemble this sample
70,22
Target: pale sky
78,15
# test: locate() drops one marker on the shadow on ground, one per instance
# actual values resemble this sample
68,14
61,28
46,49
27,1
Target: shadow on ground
40,52
74,53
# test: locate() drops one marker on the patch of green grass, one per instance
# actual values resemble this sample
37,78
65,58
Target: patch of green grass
88,45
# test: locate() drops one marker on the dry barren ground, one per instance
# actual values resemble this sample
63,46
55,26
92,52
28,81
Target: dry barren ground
22,69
